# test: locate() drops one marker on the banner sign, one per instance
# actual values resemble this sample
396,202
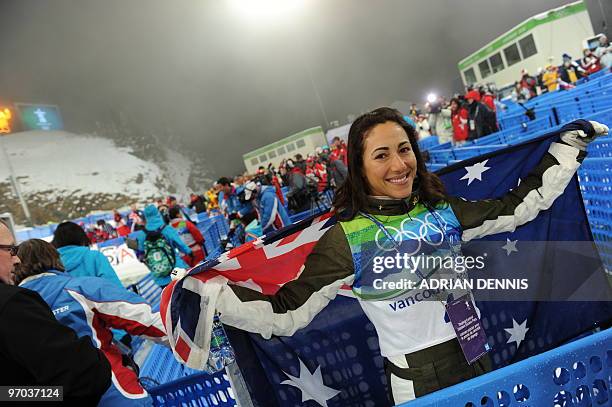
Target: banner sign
124,260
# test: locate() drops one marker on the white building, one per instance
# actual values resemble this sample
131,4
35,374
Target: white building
304,142
534,43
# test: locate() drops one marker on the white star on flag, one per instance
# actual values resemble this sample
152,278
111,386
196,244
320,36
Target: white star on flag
475,171
510,246
311,385
517,332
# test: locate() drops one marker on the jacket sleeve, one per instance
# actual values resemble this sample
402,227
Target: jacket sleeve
104,268
51,352
327,268
122,309
536,193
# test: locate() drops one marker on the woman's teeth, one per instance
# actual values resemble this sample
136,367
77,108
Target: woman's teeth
398,181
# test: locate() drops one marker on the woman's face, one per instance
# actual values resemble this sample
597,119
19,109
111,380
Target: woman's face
389,163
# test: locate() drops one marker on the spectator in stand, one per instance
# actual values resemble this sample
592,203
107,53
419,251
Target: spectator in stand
163,207
135,218
338,151
440,121
78,259
551,78
276,183
117,216
91,306
189,234
37,350
528,83
569,70
336,173
171,201
487,97
227,196
212,197
423,127
300,163
197,203
298,188
107,228
604,52
414,111
519,94
317,173
123,230
481,120
272,214
460,122
589,62
155,223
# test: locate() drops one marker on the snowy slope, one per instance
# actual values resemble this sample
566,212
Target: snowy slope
62,162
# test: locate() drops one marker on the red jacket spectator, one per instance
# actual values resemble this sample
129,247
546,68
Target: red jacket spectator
489,100
338,151
317,172
459,118
123,229
190,235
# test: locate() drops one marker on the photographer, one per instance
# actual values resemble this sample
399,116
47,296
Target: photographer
272,214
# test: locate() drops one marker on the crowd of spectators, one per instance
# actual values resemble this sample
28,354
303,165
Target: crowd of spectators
552,77
473,114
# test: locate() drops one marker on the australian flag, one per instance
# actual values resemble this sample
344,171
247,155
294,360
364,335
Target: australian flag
335,360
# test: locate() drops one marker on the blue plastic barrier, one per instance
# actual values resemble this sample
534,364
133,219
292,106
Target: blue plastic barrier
161,367
428,142
148,290
441,156
576,374
197,390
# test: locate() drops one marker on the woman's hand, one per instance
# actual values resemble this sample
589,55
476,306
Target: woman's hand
580,139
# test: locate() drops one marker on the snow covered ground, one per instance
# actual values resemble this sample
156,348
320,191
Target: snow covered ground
58,161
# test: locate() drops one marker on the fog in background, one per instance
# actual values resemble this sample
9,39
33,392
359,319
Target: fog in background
220,84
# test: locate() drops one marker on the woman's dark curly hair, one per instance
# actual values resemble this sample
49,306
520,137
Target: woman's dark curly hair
351,197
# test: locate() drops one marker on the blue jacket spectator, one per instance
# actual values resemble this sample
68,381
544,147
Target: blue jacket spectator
242,208
78,259
229,201
272,214
154,221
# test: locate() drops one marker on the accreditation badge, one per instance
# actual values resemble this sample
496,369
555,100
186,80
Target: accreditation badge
469,329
